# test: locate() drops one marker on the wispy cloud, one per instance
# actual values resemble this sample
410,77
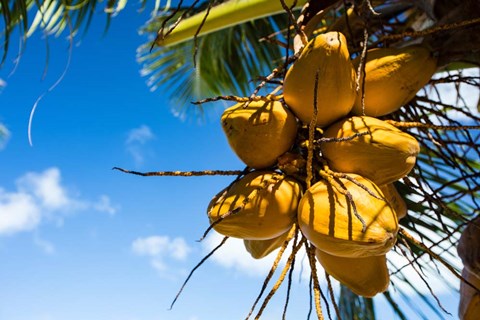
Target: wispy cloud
140,135
233,255
39,197
136,140
44,245
4,135
104,204
161,249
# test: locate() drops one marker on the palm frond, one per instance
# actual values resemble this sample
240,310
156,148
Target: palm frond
354,307
53,17
224,62
222,16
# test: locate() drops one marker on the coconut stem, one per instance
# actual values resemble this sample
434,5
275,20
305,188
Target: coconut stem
311,132
182,173
440,28
402,124
316,284
340,188
277,284
402,232
293,232
195,268
332,296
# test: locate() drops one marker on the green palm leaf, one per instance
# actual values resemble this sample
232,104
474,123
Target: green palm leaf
226,62
355,307
52,17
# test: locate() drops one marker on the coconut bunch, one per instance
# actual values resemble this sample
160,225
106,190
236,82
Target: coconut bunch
319,157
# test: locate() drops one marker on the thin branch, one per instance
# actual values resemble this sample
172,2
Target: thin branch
240,99
291,234
277,284
332,296
195,268
182,173
311,131
441,28
402,232
400,124
316,284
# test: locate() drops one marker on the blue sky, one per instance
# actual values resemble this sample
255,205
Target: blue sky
80,241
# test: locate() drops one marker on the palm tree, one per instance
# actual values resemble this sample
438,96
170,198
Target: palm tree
199,58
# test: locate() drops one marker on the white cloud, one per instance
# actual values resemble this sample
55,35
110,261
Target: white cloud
150,246
161,248
39,197
136,139
233,255
18,212
179,249
2,83
46,187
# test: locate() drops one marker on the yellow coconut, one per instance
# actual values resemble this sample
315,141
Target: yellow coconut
472,308
468,247
469,306
260,206
261,248
393,78
382,154
469,251
395,199
259,133
363,276
326,217
326,55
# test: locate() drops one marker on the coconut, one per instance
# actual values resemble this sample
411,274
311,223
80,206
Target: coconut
260,206
260,132
469,305
393,77
382,154
363,276
468,246
327,218
326,55
395,199
261,248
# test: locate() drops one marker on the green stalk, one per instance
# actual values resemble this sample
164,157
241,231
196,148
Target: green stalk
223,16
